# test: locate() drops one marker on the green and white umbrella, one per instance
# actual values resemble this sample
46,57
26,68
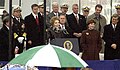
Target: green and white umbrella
49,56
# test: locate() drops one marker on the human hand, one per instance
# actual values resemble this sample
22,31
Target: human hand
30,42
16,50
114,46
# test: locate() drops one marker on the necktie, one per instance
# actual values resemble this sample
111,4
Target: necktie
99,25
63,27
114,27
56,14
19,19
37,21
77,18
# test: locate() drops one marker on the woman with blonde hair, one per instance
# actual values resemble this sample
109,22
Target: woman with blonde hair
55,30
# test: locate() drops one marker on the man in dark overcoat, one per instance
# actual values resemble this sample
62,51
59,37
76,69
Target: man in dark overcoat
4,41
111,37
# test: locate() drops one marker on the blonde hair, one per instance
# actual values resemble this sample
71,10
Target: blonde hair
52,20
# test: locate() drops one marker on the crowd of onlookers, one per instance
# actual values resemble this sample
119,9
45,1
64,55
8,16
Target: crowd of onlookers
91,31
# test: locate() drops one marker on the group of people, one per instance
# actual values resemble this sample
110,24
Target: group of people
89,30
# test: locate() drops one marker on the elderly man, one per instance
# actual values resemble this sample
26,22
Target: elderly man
18,29
55,12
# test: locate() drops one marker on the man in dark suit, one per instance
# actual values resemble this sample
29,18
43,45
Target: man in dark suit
41,19
4,40
64,25
18,29
111,36
34,27
55,12
76,22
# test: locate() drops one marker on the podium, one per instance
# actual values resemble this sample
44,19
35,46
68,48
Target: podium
68,43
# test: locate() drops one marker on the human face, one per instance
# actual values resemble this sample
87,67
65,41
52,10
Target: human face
8,23
35,10
41,9
55,8
98,10
17,14
114,20
62,19
64,10
91,26
75,9
85,13
56,23
118,11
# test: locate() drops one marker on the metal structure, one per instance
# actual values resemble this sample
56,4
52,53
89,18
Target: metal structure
10,30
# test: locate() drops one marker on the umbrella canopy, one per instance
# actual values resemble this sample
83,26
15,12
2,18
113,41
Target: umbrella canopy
49,56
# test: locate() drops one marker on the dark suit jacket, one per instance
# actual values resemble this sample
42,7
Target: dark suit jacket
76,27
33,30
4,44
42,27
111,37
49,16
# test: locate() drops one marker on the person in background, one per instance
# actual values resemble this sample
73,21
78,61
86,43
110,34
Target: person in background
100,21
5,13
4,40
91,42
64,26
98,18
111,37
117,7
47,10
41,21
41,8
85,11
64,9
77,23
55,12
33,27
18,29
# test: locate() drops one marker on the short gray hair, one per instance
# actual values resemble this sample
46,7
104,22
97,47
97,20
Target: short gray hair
54,3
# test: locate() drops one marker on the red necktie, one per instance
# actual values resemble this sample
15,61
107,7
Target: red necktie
37,21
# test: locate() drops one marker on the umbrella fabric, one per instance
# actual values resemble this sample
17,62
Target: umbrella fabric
50,56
